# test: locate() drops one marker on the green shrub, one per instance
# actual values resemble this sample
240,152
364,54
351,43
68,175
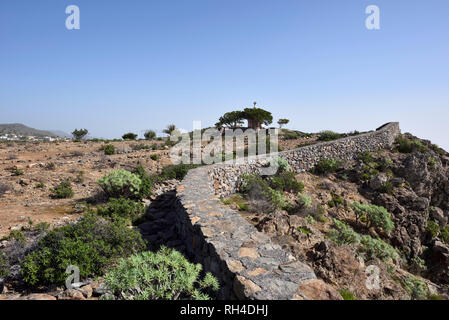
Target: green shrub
417,289
4,267
282,164
109,149
347,295
375,216
310,220
256,187
121,183
304,230
147,182
17,172
343,234
286,181
277,199
122,208
155,157
371,248
63,190
177,172
305,200
16,235
387,187
165,275
445,234
326,166
366,157
337,201
40,185
433,228
91,244
79,177
42,227
329,135
405,145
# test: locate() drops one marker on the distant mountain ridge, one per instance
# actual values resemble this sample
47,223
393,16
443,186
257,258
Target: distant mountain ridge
23,130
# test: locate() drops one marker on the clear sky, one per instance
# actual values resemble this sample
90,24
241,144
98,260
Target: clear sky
139,64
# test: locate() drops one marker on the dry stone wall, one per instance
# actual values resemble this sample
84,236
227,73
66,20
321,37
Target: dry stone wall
247,263
224,176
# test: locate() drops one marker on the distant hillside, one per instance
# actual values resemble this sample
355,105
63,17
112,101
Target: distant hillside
23,130
61,134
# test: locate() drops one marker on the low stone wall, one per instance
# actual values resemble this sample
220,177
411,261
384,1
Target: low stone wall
224,176
247,263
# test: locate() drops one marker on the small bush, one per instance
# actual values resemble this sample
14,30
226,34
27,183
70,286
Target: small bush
304,230
16,235
375,216
310,220
417,289
42,227
375,248
329,135
337,201
121,183
17,172
63,190
326,166
366,157
155,157
50,166
122,208
282,164
109,150
343,234
305,200
257,189
40,185
445,234
433,228
405,145
387,188
147,181
347,295
286,181
177,172
4,267
91,244
277,199
165,275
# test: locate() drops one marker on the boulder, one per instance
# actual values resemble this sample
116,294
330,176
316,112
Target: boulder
378,181
438,215
316,289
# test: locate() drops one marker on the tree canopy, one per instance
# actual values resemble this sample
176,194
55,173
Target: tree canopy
259,115
170,128
235,118
231,119
129,136
282,122
79,134
150,134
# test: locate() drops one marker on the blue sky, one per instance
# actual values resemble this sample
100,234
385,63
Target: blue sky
135,65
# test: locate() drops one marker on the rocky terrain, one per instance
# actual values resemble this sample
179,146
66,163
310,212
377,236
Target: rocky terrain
411,181
29,173
318,225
